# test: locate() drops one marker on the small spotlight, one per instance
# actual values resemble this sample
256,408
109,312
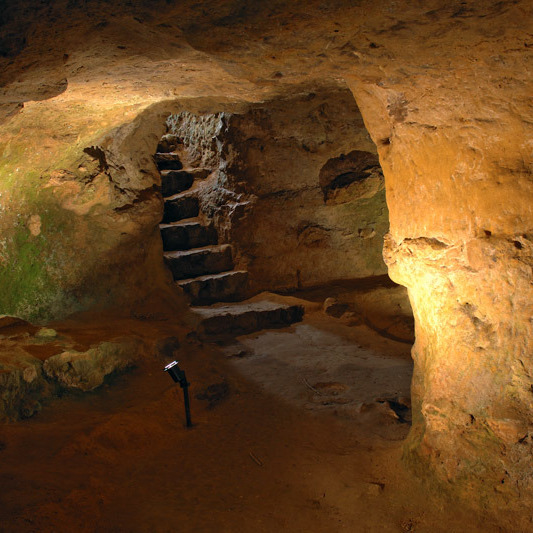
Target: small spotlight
178,375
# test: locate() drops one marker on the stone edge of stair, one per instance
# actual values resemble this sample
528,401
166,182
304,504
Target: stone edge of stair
226,326
210,248
236,296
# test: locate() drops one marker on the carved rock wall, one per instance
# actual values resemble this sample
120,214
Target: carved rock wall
299,191
458,179
444,88
75,213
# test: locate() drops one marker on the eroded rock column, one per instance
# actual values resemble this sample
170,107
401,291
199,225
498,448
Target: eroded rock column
459,189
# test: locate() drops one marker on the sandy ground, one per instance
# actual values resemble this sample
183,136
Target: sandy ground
298,429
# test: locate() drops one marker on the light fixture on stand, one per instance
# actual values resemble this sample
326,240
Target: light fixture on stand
178,375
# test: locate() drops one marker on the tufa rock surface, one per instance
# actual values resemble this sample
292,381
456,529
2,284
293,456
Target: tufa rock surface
444,89
22,385
296,178
87,370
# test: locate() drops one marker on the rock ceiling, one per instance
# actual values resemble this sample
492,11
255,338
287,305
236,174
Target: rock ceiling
139,52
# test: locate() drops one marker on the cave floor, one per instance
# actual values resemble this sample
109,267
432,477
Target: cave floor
298,429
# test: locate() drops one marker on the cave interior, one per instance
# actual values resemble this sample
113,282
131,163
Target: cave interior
322,210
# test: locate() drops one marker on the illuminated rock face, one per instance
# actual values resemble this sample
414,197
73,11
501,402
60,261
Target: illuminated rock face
472,386
445,92
458,177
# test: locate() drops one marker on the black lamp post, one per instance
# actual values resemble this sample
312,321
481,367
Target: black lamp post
178,375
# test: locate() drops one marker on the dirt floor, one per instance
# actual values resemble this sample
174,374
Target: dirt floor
298,429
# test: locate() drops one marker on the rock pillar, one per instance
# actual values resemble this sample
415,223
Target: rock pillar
459,191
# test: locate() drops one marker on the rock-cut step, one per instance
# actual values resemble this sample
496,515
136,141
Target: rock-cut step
184,235
180,207
200,261
222,321
226,286
175,181
167,161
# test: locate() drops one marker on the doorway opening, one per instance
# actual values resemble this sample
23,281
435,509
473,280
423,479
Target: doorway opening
273,228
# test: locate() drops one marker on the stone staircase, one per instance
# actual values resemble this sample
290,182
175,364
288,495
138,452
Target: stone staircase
202,267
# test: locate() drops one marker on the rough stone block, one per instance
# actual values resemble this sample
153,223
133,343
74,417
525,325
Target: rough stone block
199,262
246,317
175,181
180,208
87,370
187,235
216,287
22,385
168,161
